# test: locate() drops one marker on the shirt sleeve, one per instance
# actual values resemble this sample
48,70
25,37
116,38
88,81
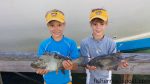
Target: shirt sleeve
112,48
74,53
40,50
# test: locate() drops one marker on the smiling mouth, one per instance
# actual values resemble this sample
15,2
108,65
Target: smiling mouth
98,31
56,32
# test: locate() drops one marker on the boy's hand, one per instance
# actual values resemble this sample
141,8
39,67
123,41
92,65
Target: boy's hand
41,71
68,65
124,63
91,67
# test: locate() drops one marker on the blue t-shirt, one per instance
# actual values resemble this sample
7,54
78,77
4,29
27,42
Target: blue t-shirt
66,47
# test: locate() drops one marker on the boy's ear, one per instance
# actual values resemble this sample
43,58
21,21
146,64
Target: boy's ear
90,23
64,23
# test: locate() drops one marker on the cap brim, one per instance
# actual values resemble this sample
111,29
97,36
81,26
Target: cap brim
60,20
100,17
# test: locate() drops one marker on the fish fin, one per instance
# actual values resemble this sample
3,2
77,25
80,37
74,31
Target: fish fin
57,68
131,58
57,71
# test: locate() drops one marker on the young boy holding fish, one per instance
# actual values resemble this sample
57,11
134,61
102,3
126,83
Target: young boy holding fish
60,44
98,44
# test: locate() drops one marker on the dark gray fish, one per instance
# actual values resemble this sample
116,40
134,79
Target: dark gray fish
108,62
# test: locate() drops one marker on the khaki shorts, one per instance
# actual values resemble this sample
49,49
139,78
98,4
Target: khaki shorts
67,83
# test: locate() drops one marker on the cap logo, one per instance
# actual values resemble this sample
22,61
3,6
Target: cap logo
98,12
53,14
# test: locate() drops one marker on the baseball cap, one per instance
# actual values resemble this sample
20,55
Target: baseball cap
99,13
55,15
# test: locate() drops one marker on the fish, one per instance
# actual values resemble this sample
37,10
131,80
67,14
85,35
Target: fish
109,62
53,61
50,61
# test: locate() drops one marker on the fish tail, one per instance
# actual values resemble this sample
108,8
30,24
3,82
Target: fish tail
130,58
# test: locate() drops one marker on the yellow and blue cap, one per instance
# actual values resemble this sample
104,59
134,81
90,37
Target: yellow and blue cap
55,15
99,13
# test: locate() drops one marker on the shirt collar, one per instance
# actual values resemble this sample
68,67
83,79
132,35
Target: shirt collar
91,36
56,41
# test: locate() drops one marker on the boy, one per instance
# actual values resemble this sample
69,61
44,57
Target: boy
98,44
57,42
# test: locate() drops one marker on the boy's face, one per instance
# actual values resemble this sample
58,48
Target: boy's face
56,28
98,26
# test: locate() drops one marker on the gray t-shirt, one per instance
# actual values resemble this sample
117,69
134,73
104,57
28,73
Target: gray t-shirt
92,48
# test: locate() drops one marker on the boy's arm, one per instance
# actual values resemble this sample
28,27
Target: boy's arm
112,48
74,54
69,65
41,71
41,50
85,52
